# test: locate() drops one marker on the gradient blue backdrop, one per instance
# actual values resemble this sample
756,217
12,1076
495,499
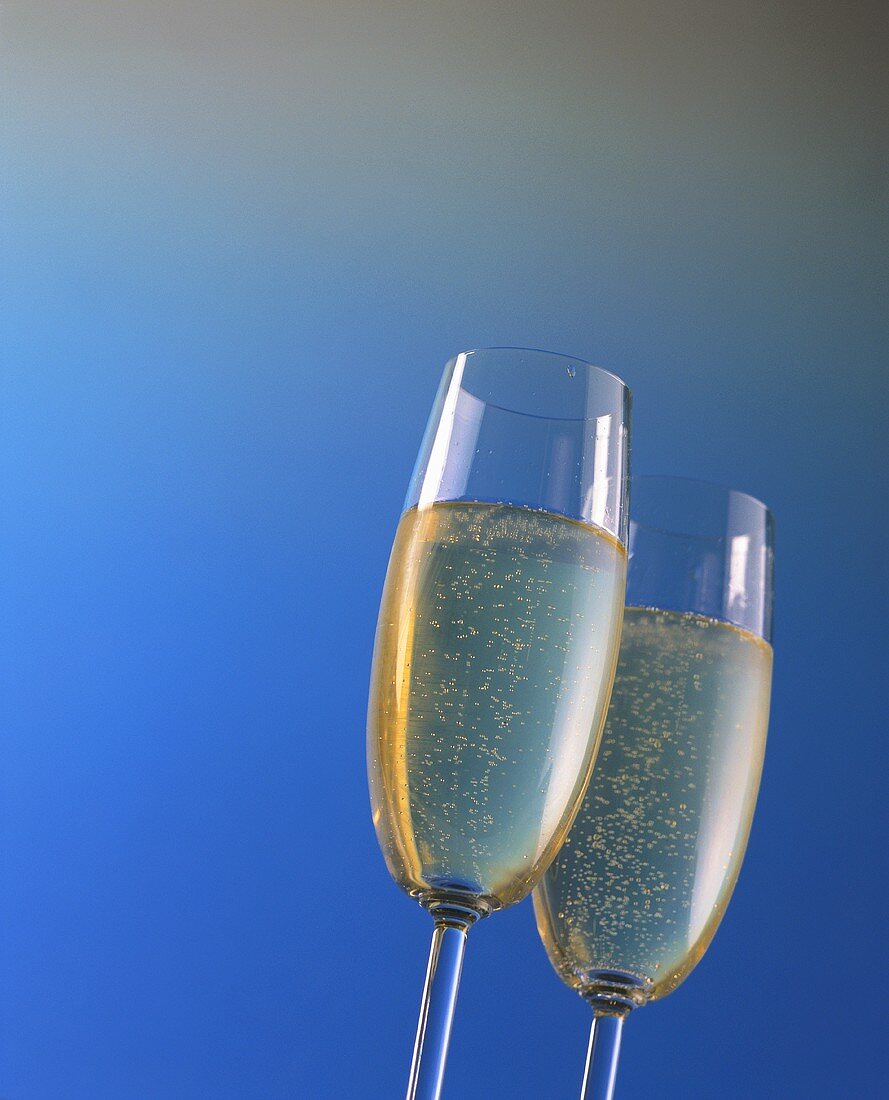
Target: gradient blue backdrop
238,242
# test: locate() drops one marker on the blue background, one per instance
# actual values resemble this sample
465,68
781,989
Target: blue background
239,240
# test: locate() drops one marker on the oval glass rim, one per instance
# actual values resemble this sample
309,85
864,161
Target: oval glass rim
573,360
702,483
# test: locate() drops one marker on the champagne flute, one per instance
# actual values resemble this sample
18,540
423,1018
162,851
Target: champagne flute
633,899
496,645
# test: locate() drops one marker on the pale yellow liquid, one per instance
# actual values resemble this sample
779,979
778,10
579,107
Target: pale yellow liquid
650,863
494,658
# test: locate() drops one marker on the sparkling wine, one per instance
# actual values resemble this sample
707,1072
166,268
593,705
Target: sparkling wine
650,862
495,651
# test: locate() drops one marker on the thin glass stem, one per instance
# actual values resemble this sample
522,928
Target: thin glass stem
601,1058
437,1010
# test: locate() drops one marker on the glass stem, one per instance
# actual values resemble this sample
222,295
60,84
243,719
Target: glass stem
601,1057
437,1007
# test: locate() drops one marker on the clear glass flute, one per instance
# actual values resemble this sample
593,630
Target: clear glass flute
631,902
496,645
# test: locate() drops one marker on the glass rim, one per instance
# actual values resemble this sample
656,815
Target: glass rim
575,360
699,546
702,483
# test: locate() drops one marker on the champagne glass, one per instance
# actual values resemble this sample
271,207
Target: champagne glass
633,899
496,645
